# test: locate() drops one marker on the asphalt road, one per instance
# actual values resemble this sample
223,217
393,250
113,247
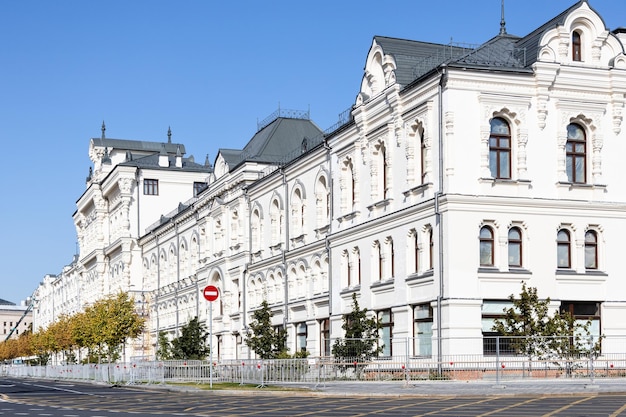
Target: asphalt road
49,398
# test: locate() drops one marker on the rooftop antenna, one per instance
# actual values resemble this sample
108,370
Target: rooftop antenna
169,135
502,22
103,129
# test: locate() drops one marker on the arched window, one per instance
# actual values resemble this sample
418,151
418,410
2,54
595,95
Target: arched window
297,212
500,149
591,250
255,228
563,248
576,46
515,247
575,154
486,246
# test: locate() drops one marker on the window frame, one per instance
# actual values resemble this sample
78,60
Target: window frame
577,50
150,186
564,244
490,241
593,245
300,334
418,319
497,148
515,242
574,155
387,350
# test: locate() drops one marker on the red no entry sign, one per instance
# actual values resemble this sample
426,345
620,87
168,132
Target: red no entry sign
211,293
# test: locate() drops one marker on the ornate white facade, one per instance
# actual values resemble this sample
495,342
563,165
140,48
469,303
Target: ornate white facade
461,173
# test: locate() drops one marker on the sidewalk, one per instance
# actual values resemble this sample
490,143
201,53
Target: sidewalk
470,388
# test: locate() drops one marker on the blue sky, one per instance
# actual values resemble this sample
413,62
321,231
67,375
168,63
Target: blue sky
209,70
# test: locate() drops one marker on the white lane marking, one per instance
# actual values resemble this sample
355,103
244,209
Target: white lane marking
61,389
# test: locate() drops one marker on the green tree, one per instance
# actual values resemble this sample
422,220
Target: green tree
527,323
265,341
164,351
192,342
360,342
535,333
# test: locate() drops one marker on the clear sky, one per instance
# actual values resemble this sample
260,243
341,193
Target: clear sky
209,70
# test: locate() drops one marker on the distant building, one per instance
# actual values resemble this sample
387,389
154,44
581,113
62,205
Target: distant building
14,319
460,172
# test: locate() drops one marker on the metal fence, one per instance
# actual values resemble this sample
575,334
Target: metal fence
500,359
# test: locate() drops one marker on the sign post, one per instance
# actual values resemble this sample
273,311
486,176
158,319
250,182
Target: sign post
211,293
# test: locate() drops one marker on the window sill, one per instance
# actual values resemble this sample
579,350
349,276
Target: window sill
572,275
502,181
348,216
419,278
511,270
380,204
381,286
580,186
417,190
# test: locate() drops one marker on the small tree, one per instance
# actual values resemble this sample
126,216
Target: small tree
536,334
360,342
164,352
527,323
192,342
265,341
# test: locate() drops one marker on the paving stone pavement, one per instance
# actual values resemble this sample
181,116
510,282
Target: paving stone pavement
469,388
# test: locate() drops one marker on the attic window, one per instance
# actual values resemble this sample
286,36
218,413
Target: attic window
576,46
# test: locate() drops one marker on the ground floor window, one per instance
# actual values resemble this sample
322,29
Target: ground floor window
583,311
493,343
301,334
423,330
385,332
325,337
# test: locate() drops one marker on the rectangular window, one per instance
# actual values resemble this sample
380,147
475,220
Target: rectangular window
301,337
494,343
198,187
583,311
423,330
150,187
386,332
325,337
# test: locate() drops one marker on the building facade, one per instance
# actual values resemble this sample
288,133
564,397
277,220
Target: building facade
15,319
460,173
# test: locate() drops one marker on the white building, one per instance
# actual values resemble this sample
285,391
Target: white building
460,173
131,186
15,319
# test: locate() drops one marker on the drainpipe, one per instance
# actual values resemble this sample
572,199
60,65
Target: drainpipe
330,225
284,251
244,321
138,211
439,217
177,277
158,291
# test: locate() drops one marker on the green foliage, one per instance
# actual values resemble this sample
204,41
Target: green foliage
164,350
264,340
534,333
527,322
360,342
192,343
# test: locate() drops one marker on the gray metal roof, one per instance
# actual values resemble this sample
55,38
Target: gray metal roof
6,303
530,42
415,58
152,162
138,145
278,142
504,52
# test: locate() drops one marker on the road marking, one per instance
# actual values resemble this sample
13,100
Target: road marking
510,406
565,407
62,389
619,411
